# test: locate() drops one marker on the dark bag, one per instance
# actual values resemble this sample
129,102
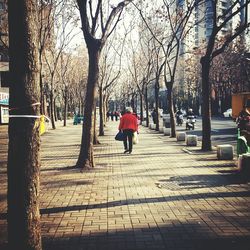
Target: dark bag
120,136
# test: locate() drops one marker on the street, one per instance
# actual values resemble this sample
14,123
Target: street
224,130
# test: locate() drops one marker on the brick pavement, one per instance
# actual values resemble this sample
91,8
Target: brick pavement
157,198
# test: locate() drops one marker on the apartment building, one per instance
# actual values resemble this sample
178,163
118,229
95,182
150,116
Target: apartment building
201,22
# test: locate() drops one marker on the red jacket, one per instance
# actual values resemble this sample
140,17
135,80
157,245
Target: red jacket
128,121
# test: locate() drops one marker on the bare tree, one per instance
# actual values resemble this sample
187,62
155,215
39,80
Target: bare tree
45,35
213,49
140,67
24,139
63,33
177,19
71,80
94,22
109,73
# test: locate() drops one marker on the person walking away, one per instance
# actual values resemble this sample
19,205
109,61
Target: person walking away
128,125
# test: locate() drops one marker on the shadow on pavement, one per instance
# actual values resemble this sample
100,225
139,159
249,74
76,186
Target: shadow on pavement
140,201
203,181
186,236
145,200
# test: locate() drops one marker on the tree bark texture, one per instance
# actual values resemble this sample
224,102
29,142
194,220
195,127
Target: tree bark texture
85,159
206,105
24,139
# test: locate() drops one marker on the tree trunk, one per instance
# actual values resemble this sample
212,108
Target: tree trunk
141,108
171,112
95,139
157,102
206,107
24,140
146,101
86,159
42,109
55,110
52,112
65,107
104,110
101,125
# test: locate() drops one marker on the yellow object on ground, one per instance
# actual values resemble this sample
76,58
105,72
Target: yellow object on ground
43,124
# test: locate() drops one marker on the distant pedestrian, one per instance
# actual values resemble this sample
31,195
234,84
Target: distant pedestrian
128,124
112,116
154,116
116,115
108,115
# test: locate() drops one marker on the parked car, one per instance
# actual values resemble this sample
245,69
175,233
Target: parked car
227,113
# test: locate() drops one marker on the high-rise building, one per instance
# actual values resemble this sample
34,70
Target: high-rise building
201,22
200,27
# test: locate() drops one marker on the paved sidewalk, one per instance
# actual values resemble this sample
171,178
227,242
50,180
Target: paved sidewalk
157,198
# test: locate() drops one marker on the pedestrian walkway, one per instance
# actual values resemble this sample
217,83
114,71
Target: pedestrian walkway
159,197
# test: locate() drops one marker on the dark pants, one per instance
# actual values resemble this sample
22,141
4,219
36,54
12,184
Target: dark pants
128,144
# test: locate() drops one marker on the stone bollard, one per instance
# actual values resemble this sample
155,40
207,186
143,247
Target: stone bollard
160,129
166,131
244,164
153,126
192,140
181,136
225,152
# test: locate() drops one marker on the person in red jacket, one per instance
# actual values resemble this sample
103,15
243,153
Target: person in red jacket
128,125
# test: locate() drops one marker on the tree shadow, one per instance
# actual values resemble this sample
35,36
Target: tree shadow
172,235
65,183
47,169
144,201
58,157
185,236
203,181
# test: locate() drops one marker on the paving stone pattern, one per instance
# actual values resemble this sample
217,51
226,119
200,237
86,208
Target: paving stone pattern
159,197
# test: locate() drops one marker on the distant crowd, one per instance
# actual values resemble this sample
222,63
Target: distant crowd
113,115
